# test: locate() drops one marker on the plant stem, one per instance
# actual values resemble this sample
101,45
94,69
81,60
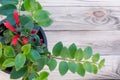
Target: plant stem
51,56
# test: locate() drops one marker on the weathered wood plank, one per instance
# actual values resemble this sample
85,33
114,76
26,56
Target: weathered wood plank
85,18
105,42
80,2
108,72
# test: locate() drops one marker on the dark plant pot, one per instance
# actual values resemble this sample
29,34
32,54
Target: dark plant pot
40,33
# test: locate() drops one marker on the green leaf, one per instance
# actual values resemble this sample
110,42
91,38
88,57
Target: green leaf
101,64
7,9
4,2
28,5
10,18
72,66
87,66
52,63
8,63
24,19
0,49
80,69
26,48
8,36
87,52
57,49
45,22
42,18
0,45
72,50
33,55
2,59
94,69
9,51
44,75
39,64
37,39
96,57
33,75
64,52
20,60
41,15
63,68
29,26
79,54
18,74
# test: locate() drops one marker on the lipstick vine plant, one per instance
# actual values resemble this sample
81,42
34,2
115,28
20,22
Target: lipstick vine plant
24,51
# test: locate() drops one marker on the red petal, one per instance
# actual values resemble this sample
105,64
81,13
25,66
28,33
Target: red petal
25,40
14,40
16,17
9,26
33,31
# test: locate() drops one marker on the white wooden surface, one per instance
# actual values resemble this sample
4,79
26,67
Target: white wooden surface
85,22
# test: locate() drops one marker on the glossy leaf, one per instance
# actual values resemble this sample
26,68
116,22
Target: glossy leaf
94,69
44,75
64,52
0,49
24,20
8,63
96,57
46,22
10,18
39,64
7,9
26,48
87,66
33,55
28,5
72,66
33,76
52,63
63,67
101,64
80,69
79,54
87,52
4,2
72,50
29,26
20,60
42,18
57,49
18,74
9,51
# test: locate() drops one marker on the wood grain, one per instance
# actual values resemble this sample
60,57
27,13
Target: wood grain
93,23
105,42
84,18
72,3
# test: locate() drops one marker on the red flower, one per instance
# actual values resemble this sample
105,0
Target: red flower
33,31
16,17
9,26
24,40
17,36
14,40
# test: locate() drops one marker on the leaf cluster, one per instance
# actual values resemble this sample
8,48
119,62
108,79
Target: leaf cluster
77,60
37,14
